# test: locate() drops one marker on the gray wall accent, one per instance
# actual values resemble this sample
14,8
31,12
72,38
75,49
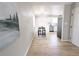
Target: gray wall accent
59,27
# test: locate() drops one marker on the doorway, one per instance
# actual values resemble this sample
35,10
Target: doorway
52,24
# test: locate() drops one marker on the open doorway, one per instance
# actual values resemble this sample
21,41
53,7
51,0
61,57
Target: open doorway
53,21
52,24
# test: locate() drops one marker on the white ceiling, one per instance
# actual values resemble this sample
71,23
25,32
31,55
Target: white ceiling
48,9
44,3
45,8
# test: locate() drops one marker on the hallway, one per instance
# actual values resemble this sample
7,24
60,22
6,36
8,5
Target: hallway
52,46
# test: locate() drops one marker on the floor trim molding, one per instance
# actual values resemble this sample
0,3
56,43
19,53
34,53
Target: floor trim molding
29,45
65,40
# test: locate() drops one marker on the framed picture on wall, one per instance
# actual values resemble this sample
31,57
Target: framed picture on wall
9,30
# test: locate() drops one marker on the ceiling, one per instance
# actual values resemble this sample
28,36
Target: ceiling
44,8
44,3
48,9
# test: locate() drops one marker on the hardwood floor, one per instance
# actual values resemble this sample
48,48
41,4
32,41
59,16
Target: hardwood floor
52,46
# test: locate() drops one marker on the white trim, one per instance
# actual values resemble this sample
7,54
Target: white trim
75,44
65,40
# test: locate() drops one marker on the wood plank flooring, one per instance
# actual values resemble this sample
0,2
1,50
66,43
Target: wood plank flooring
52,46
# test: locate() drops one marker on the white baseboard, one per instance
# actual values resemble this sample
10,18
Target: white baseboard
29,46
75,44
65,40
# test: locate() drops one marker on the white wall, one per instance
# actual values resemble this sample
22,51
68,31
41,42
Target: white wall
66,23
22,44
75,28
